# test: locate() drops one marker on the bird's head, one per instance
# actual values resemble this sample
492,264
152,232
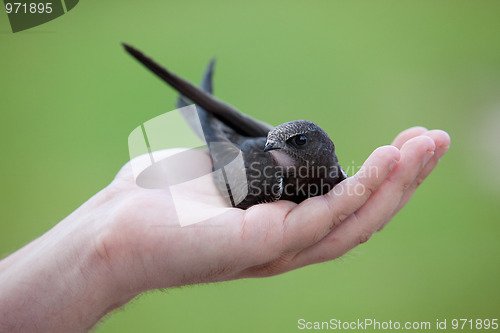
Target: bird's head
300,142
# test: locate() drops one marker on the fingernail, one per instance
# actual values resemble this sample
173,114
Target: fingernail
393,164
428,155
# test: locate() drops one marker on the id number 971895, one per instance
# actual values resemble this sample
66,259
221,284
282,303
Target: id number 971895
28,8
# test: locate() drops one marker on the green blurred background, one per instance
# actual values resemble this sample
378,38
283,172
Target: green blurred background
363,70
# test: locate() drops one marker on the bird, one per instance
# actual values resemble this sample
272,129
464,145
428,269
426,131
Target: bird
293,161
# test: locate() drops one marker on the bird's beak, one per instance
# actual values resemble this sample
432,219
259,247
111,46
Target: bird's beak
272,145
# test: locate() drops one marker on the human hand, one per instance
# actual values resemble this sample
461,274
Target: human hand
127,239
147,248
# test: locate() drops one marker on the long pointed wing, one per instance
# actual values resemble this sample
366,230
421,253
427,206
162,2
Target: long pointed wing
202,115
238,121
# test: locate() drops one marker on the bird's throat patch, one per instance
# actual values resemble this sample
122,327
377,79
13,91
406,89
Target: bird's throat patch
283,159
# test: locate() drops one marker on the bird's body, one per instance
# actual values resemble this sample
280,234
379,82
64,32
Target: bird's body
293,161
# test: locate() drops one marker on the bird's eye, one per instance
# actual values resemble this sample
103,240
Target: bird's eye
299,140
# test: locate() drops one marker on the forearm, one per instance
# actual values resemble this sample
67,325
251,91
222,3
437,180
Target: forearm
59,282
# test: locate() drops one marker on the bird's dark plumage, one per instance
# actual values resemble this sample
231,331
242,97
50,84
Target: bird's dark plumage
292,161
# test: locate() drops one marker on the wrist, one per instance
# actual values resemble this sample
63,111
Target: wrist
61,281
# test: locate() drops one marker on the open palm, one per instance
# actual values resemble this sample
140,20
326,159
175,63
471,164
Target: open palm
222,243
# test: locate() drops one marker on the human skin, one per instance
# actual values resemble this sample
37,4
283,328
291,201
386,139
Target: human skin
126,239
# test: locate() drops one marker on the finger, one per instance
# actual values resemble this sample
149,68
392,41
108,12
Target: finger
408,134
359,227
314,218
415,155
442,142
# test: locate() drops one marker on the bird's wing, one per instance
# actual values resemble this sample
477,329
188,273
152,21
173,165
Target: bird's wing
194,119
239,122
206,82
